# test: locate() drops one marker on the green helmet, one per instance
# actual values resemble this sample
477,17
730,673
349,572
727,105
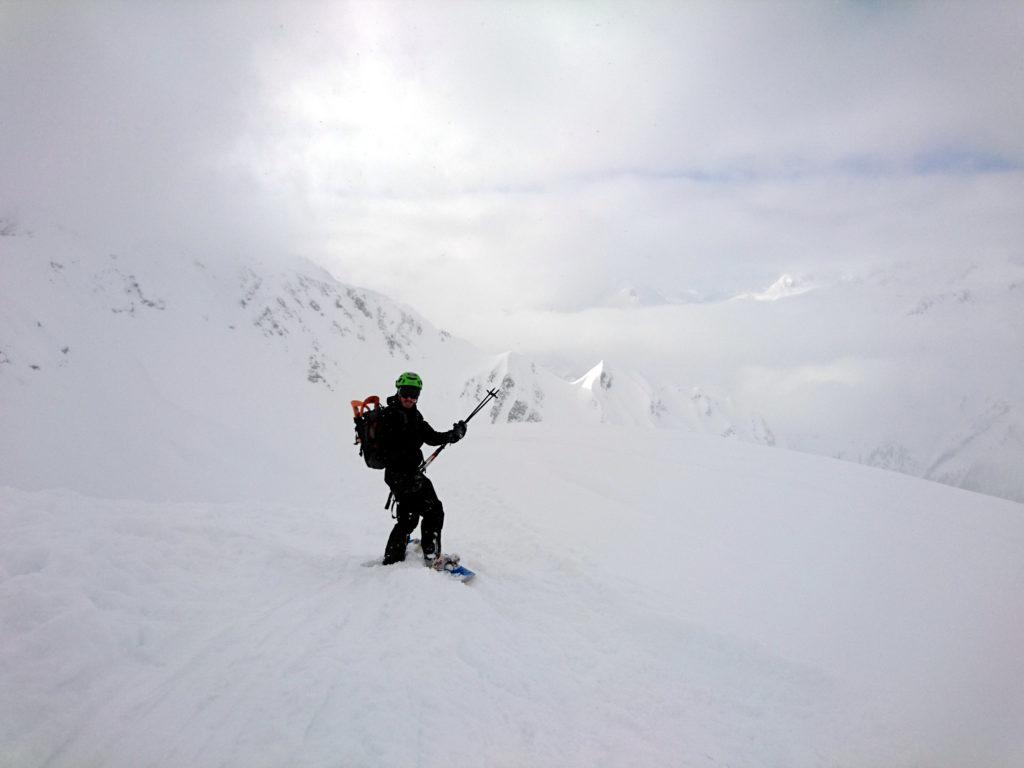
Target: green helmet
409,379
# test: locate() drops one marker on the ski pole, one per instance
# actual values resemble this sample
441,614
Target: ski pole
491,393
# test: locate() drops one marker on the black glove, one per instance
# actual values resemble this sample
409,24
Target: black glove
458,431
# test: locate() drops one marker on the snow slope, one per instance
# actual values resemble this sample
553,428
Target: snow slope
183,521
660,600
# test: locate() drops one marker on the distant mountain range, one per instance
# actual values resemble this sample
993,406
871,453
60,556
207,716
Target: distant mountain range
214,376
632,296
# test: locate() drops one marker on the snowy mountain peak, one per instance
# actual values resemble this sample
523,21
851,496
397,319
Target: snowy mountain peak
521,387
140,376
596,378
786,286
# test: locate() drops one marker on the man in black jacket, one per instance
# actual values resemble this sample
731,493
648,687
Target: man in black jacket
406,432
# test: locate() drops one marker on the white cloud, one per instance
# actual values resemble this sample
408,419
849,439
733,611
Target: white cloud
473,157
443,97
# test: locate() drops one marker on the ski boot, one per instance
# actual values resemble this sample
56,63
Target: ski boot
441,562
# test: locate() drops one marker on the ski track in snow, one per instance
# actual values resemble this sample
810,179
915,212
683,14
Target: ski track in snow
169,634
352,666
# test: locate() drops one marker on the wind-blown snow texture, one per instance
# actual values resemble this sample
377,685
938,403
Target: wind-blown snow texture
183,522
673,601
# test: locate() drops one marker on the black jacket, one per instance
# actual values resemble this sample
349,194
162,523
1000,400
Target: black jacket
407,431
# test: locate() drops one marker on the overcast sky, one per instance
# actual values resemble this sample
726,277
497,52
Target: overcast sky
482,161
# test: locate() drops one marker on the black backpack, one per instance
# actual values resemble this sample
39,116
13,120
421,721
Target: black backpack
371,431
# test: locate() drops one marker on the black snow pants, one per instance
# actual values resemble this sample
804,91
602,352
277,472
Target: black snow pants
416,498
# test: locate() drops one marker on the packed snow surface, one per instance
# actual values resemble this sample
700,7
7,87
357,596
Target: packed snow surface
653,598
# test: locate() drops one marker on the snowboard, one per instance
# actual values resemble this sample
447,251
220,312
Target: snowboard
459,572
454,569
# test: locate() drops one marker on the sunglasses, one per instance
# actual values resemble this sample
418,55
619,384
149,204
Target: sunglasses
409,393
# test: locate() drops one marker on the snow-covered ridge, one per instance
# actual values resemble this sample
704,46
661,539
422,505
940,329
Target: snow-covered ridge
909,367
597,378
522,389
783,288
288,304
164,362
637,296
128,372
